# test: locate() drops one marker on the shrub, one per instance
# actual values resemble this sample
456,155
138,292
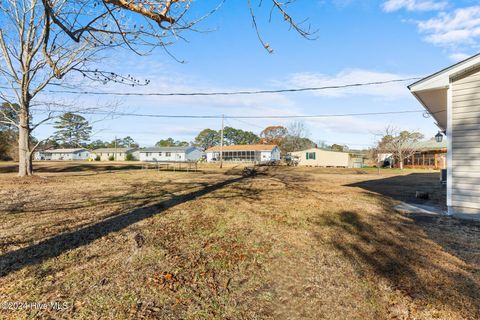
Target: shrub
129,157
111,158
97,158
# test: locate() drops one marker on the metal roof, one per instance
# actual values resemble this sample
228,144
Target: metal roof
432,144
71,150
243,147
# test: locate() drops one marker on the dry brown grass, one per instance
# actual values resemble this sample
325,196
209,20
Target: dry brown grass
291,243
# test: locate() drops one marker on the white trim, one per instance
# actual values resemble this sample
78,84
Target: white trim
449,148
442,78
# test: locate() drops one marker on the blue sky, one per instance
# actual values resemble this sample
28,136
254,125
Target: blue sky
357,41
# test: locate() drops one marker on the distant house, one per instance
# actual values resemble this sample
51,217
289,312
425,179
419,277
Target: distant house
429,155
356,160
118,154
255,153
452,98
170,154
62,154
316,157
42,155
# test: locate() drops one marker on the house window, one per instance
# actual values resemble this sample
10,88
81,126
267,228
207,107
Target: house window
310,155
160,154
168,154
147,154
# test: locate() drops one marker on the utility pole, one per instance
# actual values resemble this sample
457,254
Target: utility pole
115,150
221,143
375,142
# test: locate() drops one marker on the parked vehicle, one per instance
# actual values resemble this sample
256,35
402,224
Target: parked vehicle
292,160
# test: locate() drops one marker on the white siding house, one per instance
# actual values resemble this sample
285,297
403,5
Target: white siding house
118,154
452,97
62,154
42,155
255,153
170,154
316,157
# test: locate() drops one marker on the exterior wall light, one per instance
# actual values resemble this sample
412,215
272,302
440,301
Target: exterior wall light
439,137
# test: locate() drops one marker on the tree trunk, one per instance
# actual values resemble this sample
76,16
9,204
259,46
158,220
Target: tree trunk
24,154
401,160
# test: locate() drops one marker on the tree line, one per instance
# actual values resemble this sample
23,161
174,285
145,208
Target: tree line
43,42
74,131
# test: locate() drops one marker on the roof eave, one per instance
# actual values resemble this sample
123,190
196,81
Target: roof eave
446,72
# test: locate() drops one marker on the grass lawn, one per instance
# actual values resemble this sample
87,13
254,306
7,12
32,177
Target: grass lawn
290,243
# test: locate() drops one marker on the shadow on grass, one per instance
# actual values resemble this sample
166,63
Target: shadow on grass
55,246
392,248
403,188
72,167
154,190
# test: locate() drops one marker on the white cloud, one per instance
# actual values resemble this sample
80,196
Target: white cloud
347,125
461,27
414,5
148,130
459,56
387,91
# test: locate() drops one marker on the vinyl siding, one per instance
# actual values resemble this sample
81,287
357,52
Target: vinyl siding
466,142
323,158
194,154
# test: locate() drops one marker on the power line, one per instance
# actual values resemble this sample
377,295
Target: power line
241,117
229,93
249,124
329,141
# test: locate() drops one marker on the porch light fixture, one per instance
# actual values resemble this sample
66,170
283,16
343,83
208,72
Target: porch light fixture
439,137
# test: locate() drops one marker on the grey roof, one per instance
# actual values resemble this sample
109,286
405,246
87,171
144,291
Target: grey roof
71,150
113,150
432,144
168,149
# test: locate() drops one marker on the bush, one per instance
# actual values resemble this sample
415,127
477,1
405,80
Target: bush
111,158
97,158
129,157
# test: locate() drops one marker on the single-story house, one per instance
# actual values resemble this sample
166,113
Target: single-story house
452,97
118,154
62,154
316,157
429,155
170,154
42,155
251,153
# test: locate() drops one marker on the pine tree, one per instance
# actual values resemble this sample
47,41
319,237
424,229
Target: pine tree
8,130
72,130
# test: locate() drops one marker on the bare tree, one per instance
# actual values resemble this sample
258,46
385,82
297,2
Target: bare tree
163,20
43,41
297,138
30,52
401,144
